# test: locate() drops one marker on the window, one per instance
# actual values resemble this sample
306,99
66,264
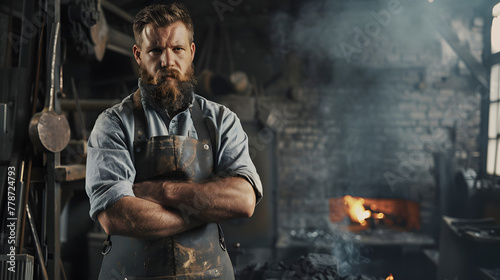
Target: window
493,154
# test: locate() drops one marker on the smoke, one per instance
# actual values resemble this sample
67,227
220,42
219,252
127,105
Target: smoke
312,30
364,58
345,49
352,30
348,256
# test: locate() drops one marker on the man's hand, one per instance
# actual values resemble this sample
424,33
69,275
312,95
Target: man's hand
137,217
213,201
150,190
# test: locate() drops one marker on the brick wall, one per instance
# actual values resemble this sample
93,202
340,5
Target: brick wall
369,122
361,95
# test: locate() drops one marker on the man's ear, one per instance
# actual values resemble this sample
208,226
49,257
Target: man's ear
137,54
193,49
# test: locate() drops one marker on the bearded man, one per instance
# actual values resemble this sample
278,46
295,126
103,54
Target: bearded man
166,166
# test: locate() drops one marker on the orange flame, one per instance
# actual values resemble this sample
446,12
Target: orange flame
390,277
379,216
356,210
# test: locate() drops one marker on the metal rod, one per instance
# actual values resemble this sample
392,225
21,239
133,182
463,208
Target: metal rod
478,70
53,216
27,192
79,109
37,244
116,10
53,53
88,104
120,42
23,190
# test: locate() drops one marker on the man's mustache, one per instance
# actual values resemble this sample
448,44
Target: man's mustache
165,73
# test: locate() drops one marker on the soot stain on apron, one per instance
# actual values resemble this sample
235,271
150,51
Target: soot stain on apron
195,254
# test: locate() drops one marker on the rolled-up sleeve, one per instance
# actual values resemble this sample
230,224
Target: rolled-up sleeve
233,154
110,170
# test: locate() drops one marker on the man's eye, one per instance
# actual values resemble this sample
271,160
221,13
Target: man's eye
178,49
155,50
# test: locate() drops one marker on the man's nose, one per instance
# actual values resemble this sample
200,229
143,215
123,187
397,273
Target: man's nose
167,59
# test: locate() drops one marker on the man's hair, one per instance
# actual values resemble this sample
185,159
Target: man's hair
161,15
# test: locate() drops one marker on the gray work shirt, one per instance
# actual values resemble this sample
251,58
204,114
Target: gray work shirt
110,163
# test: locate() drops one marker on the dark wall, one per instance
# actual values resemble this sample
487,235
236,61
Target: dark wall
363,96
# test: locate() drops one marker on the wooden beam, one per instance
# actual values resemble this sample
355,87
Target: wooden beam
478,70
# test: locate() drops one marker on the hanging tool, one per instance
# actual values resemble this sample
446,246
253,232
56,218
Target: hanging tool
100,34
48,130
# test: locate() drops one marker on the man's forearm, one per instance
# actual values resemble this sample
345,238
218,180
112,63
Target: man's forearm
137,217
213,201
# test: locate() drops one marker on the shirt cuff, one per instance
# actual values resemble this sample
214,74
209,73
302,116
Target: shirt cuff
256,184
107,195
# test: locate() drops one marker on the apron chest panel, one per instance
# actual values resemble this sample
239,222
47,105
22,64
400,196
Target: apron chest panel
194,254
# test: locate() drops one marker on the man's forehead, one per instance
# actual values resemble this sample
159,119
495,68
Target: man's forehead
176,32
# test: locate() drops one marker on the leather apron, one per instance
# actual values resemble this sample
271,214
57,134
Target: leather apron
198,253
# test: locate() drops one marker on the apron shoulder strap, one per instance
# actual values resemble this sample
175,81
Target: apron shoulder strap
199,122
205,128
139,118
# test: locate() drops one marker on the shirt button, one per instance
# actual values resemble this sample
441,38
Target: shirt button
205,147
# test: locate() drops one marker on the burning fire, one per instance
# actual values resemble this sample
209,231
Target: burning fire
373,213
379,216
356,210
390,277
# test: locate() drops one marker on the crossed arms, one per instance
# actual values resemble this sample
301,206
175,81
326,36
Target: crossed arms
163,208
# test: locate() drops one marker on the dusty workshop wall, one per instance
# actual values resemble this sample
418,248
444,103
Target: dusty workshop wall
380,94
362,96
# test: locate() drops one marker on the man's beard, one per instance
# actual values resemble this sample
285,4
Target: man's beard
173,94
